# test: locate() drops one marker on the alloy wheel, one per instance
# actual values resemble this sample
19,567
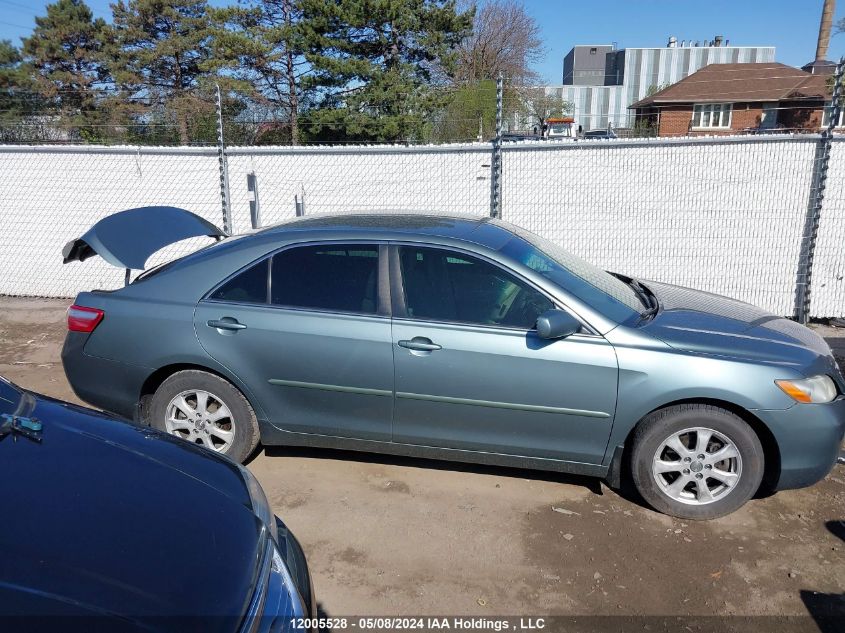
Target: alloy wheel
202,418
697,466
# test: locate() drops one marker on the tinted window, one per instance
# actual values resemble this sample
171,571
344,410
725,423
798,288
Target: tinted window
250,286
329,277
447,286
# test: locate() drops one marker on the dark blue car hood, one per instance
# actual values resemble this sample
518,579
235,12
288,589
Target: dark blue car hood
127,525
698,321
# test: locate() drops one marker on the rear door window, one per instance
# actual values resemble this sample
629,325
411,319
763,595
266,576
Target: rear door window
332,277
443,285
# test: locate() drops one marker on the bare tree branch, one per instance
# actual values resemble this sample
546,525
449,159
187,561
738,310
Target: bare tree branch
505,39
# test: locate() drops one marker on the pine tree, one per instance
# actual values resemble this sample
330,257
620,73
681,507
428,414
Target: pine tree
162,51
65,54
18,100
260,46
372,65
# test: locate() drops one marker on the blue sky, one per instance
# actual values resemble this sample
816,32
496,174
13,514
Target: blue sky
790,26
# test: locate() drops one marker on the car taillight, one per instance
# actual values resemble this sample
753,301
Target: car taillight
83,319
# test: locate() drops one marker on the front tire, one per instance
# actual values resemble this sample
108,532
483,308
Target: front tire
696,461
205,409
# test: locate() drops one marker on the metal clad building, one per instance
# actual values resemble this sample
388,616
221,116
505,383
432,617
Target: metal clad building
586,65
630,73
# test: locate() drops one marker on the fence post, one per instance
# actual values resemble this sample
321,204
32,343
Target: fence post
496,163
803,283
224,168
254,204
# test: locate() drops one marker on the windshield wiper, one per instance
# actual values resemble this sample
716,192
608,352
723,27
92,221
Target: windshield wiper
647,297
19,422
15,425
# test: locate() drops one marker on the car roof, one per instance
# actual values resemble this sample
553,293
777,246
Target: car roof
486,231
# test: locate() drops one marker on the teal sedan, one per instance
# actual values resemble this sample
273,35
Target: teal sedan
454,338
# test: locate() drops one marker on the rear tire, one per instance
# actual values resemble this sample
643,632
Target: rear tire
205,409
696,461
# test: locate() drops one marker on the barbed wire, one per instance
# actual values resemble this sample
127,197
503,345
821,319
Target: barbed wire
150,114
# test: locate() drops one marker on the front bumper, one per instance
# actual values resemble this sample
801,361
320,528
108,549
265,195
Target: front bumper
809,439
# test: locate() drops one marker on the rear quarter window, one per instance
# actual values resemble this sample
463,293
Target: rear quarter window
248,286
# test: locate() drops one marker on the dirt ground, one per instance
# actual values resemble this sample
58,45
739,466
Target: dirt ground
393,536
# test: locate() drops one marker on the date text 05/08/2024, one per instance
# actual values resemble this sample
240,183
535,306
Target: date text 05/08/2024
421,623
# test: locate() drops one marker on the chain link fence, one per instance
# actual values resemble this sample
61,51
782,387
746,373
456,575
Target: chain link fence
726,215
451,178
50,195
828,283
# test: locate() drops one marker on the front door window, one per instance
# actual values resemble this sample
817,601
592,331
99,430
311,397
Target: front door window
446,286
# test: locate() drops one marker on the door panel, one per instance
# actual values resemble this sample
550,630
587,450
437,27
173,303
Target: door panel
504,391
308,330
471,374
312,372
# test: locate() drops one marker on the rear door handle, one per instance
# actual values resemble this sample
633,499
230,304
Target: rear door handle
226,323
420,344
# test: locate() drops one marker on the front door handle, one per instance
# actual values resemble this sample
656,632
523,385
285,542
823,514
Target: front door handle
226,323
420,344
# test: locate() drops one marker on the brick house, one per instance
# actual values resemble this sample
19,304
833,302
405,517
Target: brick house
722,99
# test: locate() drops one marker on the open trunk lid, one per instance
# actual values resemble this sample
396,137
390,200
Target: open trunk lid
127,239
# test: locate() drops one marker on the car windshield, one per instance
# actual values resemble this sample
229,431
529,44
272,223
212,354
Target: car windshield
599,289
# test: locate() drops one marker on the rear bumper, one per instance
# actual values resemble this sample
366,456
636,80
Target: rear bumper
106,384
809,438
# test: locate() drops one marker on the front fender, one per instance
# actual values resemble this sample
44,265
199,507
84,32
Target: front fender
650,379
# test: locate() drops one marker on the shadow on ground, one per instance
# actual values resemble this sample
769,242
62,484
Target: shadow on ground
590,483
827,609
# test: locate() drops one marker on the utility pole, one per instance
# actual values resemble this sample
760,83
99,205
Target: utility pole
825,27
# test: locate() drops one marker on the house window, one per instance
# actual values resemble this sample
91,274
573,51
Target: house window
712,115
828,112
593,51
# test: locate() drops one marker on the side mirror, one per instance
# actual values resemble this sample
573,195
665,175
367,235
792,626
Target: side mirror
554,324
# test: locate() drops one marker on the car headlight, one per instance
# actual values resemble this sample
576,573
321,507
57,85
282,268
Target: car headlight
260,505
276,603
283,597
816,390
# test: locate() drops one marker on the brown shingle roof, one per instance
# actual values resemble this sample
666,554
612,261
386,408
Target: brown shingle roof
741,82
